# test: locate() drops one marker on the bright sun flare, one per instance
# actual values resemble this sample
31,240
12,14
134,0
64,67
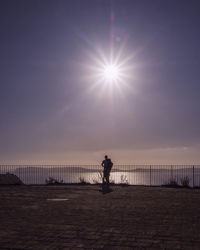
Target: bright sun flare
111,72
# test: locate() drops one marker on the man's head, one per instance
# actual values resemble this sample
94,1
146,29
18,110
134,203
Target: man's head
106,157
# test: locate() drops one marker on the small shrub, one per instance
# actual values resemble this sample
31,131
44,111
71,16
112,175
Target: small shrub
53,181
95,181
124,180
172,183
185,181
83,181
197,185
100,175
112,182
99,178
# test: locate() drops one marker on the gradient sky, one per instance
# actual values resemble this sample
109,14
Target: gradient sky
52,111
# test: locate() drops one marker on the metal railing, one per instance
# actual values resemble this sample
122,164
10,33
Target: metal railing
151,175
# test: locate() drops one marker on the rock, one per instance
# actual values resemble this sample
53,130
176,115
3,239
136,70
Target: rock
10,179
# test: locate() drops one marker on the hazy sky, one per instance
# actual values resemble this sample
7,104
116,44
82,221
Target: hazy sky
52,110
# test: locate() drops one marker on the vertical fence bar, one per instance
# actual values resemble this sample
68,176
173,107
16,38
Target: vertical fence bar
193,176
171,172
150,175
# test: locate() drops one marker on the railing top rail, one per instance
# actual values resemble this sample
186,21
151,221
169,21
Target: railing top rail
97,165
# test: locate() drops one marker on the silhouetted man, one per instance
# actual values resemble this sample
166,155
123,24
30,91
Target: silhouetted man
107,165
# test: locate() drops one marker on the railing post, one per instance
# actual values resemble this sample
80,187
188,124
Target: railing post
150,175
193,175
171,172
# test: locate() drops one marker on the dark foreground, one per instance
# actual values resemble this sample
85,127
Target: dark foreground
127,218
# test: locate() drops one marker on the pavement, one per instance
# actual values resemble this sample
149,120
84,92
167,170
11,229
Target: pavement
81,217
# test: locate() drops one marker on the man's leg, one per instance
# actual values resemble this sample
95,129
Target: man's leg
104,177
107,179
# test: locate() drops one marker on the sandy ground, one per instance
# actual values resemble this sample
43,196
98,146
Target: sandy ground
128,218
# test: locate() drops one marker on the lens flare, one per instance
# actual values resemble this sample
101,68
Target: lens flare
110,71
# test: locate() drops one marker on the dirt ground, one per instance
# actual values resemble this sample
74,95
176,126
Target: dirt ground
81,217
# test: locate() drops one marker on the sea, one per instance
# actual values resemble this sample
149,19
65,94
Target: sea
150,175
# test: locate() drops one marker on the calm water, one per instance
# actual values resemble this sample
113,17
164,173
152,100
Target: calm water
125,174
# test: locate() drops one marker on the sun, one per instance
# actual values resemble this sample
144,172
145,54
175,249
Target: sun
111,72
